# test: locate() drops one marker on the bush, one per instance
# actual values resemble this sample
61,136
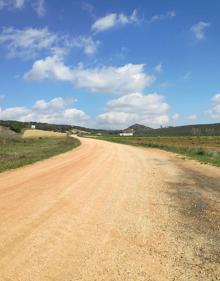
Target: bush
200,151
16,126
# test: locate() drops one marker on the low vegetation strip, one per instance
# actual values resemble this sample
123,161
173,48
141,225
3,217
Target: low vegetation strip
17,152
203,149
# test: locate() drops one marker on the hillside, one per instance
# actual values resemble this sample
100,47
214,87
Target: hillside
18,126
94,131
188,130
6,132
139,129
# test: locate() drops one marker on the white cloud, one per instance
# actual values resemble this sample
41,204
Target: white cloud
175,116
192,117
57,110
18,3
116,80
114,19
199,28
105,79
26,43
149,110
13,113
31,42
88,44
56,103
49,68
159,68
12,4
105,23
161,17
214,112
39,7
216,98
77,115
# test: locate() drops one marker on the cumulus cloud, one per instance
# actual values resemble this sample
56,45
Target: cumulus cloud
13,113
29,42
214,112
114,19
216,98
49,68
56,103
161,17
105,79
149,110
109,79
199,28
57,110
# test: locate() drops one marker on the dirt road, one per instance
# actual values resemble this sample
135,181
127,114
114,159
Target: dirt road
106,212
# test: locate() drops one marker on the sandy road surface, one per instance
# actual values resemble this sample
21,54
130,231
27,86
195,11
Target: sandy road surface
106,212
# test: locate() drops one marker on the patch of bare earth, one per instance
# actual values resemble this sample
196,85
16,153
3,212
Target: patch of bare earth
106,212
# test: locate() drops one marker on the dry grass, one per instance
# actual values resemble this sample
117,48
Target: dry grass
35,133
206,149
17,152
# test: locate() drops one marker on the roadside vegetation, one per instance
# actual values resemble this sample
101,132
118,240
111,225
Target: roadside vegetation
205,149
16,151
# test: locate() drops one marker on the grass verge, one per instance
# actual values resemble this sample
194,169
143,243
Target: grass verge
17,152
197,152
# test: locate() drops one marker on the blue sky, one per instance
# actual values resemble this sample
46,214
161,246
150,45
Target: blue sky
110,64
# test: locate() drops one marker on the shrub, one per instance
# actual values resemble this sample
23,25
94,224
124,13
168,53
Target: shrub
16,126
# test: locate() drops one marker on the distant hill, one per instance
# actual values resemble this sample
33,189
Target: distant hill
139,129
95,131
188,130
18,126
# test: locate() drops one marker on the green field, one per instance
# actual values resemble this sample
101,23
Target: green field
16,152
205,149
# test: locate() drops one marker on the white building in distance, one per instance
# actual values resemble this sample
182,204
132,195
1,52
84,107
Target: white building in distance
127,133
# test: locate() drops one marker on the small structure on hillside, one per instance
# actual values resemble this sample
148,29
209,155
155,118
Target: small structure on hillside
127,133
33,126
